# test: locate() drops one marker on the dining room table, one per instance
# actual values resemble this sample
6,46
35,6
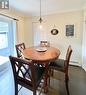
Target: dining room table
42,55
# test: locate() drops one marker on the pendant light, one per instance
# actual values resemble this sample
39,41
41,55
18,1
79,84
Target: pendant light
40,19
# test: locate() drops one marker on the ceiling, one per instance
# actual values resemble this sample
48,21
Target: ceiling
32,7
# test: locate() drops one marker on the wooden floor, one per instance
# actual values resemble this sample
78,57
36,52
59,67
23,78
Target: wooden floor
77,83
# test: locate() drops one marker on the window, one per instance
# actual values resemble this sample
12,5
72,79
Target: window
3,35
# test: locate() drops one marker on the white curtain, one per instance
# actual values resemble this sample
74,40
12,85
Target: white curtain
15,32
6,77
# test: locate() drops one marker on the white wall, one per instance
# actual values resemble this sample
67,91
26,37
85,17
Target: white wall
60,40
28,32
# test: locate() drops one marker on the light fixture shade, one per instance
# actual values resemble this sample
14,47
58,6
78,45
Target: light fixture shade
40,26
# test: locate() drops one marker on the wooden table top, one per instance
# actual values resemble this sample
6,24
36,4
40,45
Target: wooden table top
48,53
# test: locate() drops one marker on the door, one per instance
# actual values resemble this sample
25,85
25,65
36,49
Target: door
39,33
6,37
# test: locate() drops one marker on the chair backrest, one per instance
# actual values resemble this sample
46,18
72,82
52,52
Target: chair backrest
68,55
19,49
44,43
22,75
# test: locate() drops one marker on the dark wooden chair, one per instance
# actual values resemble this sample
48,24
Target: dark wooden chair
29,78
62,65
19,49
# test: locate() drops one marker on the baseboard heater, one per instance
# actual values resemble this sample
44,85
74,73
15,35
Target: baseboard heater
74,62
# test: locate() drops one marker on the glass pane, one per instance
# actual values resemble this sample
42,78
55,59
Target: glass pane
3,27
3,35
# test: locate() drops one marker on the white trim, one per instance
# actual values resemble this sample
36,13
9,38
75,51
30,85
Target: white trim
75,64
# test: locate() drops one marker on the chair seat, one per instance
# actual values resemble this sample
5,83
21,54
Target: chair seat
58,64
39,72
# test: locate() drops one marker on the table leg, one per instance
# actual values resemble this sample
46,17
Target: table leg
46,78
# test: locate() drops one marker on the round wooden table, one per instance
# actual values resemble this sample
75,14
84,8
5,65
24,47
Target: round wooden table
42,55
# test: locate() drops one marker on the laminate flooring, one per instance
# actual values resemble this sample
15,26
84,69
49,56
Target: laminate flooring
77,83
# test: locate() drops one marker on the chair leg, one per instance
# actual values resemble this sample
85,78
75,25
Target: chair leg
51,72
46,84
16,88
66,83
66,77
34,92
49,81
67,88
